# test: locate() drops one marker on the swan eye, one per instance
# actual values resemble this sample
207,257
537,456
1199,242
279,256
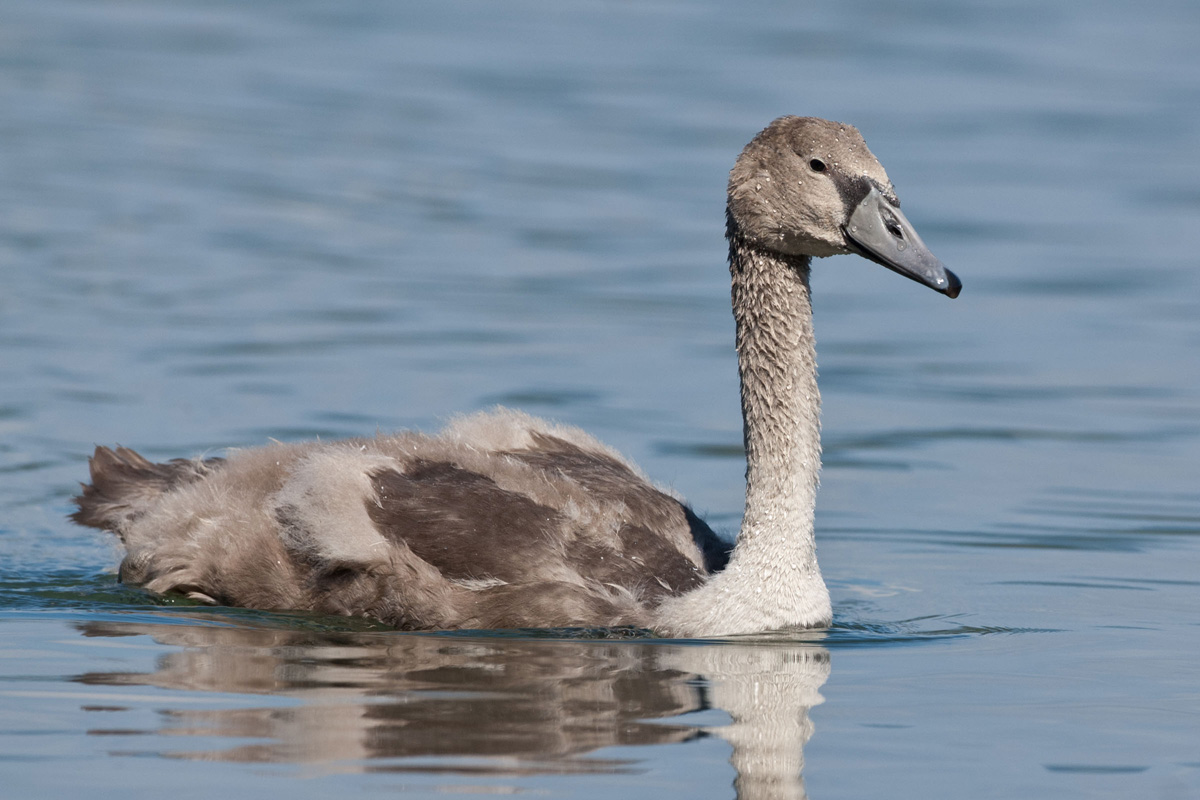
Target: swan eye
816,165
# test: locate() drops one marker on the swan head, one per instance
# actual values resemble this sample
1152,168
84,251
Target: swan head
810,187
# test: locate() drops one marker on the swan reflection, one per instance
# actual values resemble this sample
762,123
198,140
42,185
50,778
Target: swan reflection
485,705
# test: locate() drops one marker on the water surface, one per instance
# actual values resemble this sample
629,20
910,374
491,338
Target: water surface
222,223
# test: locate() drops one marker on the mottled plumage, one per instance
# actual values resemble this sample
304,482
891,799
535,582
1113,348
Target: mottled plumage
501,521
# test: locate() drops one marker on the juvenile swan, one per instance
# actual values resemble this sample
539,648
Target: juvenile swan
505,521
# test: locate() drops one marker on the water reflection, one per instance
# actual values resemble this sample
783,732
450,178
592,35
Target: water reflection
383,702
767,691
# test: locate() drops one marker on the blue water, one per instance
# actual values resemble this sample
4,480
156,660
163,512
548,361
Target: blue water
225,222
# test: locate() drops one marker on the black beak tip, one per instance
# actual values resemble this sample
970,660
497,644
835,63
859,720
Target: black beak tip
953,285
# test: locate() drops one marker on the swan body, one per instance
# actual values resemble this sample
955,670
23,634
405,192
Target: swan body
506,521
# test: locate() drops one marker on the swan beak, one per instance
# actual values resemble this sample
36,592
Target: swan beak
884,235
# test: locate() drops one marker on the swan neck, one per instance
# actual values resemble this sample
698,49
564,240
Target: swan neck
781,404
772,581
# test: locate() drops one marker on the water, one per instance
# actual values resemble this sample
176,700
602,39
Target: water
221,223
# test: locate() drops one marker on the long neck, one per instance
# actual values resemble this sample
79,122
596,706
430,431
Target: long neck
781,406
772,580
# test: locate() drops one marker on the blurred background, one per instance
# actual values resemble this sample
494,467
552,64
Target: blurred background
222,223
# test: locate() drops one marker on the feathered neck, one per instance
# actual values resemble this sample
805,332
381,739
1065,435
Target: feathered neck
772,580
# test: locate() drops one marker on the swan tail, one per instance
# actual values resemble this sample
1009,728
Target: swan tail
125,485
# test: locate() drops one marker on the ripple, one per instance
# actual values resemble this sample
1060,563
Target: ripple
69,589
904,439
10,411
92,397
1094,519
700,449
1065,519
309,346
293,433
546,398
1076,584
27,466
1096,769
919,630
101,594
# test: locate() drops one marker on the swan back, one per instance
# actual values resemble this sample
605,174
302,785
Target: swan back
502,520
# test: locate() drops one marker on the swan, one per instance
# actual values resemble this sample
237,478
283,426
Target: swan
503,520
